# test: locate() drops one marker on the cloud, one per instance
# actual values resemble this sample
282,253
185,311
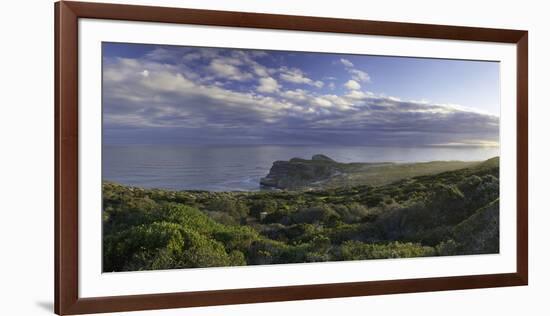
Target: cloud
295,95
167,98
358,95
341,104
227,69
191,57
174,54
352,85
322,102
149,97
268,85
470,143
163,54
346,62
295,75
260,70
356,74
359,75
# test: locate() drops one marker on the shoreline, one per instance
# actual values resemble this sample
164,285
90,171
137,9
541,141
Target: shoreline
261,188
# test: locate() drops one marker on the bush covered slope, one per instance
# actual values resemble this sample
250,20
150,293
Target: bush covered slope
451,213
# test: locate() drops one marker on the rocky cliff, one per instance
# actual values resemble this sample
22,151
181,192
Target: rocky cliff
321,172
301,173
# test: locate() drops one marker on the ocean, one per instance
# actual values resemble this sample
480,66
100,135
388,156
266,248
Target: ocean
239,168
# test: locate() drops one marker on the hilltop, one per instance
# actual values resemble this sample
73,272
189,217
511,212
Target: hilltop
321,172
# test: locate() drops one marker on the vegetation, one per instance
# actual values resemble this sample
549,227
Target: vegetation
322,172
449,213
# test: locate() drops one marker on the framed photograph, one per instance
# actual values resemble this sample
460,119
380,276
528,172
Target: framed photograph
210,157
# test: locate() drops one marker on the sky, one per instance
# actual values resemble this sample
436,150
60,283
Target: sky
155,94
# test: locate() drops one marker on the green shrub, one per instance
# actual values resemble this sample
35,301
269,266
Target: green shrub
355,250
450,213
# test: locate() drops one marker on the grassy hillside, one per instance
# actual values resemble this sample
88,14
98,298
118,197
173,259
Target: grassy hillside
322,172
449,213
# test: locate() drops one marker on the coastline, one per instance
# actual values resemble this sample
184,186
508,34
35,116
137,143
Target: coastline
224,168
449,213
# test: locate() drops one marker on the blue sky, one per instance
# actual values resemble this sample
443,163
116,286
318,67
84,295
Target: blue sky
192,95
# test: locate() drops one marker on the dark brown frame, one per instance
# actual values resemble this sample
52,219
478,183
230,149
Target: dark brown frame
67,14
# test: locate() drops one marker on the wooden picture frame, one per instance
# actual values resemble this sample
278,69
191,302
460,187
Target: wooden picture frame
67,15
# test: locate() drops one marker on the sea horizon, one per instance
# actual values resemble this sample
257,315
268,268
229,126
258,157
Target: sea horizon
239,167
